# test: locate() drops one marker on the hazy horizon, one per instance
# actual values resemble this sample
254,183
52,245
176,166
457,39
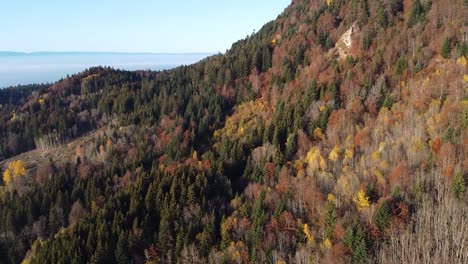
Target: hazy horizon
48,67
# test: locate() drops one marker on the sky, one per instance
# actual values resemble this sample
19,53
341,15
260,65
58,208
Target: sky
169,26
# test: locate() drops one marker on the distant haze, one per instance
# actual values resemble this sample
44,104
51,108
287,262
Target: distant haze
42,67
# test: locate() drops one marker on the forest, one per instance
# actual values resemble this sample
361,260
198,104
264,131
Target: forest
335,134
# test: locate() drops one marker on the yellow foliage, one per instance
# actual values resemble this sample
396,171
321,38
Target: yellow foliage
7,177
382,146
361,200
243,120
329,2
376,155
322,108
41,101
326,244
331,198
462,61
334,154
349,154
309,237
417,144
431,126
465,77
379,175
15,169
384,164
13,118
319,134
323,164
94,206
312,155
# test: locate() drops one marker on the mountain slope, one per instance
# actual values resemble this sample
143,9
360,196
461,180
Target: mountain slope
335,134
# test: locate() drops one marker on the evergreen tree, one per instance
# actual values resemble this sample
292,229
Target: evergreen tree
459,185
121,250
446,48
382,216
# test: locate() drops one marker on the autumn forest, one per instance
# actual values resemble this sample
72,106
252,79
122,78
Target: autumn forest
335,134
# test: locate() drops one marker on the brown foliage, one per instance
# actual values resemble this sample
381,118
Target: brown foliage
43,172
76,213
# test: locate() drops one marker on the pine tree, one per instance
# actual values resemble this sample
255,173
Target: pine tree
330,219
291,146
382,18
446,48
459,185
382,216
360,252
416,12
121,250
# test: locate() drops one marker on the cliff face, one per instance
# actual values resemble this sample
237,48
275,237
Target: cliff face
336,134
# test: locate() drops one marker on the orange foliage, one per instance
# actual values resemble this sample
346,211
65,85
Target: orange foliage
446,154
436,143
362,138
340,125
399,175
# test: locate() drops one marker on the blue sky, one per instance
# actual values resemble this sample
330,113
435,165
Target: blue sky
131,25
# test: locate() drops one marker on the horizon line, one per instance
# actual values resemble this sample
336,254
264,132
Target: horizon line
96,52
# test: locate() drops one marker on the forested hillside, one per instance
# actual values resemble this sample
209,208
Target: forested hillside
335,134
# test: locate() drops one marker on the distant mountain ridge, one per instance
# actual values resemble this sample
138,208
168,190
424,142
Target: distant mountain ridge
36,53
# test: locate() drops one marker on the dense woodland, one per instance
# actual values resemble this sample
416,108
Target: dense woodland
297,145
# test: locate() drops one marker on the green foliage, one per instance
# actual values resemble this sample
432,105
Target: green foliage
416,14
355,239
330,219
291,146
366,40
449,134
446,48
382,216
462,49
382,17
459,185
402,65
388,102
